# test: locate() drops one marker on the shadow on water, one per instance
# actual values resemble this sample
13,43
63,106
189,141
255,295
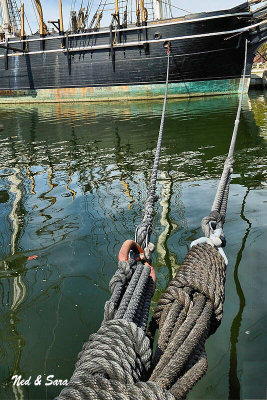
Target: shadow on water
73,179
234,384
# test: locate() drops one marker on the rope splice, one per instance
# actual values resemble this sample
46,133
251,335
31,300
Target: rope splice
212,225
144,230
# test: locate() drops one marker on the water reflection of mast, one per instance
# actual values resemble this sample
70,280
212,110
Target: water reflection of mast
234,384
73,193
164,255
72,155
19,288
31,151
121,163
52,185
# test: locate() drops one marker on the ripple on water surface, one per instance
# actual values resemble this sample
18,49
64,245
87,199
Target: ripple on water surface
73,182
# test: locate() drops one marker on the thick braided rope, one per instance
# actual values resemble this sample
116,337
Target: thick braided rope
118,284
99,388
119,350
132,290
187,313
115,362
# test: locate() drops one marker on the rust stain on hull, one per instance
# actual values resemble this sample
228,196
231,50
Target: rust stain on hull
122,93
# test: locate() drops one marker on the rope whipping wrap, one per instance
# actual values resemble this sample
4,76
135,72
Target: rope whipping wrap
144,230
218,211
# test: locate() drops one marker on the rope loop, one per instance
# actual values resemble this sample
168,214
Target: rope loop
209,223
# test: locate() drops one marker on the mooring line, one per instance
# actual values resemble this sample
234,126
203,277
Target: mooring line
144,230
212,225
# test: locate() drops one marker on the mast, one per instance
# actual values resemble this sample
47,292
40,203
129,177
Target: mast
61,29
144,13
6,17
22,29
42,25
117,13
116,7
157,6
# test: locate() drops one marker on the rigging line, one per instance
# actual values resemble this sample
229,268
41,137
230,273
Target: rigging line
27,20
153,12
93,18
99,5
212,225
70,15
265,59
101,12
104,6
144,230
170,8
73,3
221,197
178,8
98,8
28,24
89,7
232,146
71,9
125,12
34,10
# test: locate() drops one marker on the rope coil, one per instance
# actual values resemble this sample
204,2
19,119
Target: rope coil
115,362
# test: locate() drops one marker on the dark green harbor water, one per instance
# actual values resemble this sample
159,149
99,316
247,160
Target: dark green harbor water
73,179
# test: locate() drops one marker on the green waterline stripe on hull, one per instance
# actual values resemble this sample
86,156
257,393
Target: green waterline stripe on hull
117,93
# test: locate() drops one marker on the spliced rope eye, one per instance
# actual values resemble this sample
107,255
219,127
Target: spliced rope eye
212,225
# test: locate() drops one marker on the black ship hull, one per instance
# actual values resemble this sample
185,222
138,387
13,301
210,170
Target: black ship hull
207,57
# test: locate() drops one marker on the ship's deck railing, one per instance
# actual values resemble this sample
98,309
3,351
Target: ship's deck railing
124,44
160,23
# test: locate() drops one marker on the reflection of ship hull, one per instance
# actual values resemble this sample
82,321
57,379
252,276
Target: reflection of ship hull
207,55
